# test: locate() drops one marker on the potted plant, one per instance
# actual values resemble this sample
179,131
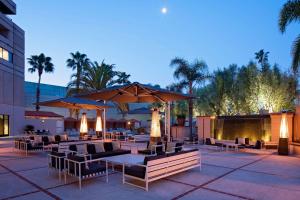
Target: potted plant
181,119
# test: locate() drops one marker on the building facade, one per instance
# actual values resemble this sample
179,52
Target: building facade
12,62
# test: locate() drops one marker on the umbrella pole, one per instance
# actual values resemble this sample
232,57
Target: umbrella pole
169,122
104,123
166,105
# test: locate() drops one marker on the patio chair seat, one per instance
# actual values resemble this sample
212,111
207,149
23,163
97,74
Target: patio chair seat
136,171
93,168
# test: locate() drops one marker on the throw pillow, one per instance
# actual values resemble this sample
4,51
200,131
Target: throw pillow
212,141
116,145
99,147
241,140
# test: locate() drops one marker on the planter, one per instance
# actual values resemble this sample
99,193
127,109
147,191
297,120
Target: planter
180,121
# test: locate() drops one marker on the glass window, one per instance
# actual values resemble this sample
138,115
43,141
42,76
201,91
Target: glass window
4,125
5,54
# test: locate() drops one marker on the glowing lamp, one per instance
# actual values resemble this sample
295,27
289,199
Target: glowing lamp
98,123
283,145
155,125
83,124
284,130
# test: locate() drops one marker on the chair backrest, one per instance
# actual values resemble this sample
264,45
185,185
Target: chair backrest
161,165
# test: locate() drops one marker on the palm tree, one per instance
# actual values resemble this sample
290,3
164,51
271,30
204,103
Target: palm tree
76,62
98,76
290,12
189,74
39,63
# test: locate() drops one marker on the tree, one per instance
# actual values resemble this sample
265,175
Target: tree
40,63
189,75
99,76
77,62
289,13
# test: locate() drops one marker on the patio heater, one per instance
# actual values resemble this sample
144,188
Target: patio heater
283,146
99,128
155,134
83,125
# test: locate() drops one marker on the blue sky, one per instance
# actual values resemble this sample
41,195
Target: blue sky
139,39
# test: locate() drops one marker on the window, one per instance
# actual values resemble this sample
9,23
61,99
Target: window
4,125
5,55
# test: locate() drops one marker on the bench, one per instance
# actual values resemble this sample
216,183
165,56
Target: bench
161,166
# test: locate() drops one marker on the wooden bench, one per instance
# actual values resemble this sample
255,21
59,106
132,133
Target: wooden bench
158,167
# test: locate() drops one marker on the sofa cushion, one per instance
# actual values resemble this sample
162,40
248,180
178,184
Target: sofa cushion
81,148
207,141
170,146
99,147
73,147
136,171
91,149
212,141
45,140
64,137
247,141
241,140
108,146
116,145
51,138
57,138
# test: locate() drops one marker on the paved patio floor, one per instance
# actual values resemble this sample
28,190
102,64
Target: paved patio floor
224,175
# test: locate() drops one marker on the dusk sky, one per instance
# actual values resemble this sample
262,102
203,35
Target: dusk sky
141,40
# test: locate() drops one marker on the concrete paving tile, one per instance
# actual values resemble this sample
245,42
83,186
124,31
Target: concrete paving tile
280,165
114,189
197,177
12,185
257,185
41,178
202,194
34,196
25,164
224,161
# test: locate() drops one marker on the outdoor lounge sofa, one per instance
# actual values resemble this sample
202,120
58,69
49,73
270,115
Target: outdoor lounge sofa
82,167
97,150
212,142
160,166
160,148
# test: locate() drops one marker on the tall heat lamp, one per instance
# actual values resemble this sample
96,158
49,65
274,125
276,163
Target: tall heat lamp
83,125
283,146
99,128
155,134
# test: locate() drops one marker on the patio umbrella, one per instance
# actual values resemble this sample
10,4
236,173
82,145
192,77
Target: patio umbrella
137,93
75,103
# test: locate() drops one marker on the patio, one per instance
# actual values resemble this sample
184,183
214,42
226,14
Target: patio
224,175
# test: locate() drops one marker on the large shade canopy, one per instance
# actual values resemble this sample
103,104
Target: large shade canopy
75,103
135,93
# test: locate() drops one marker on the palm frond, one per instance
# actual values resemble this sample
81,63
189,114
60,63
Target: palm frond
289,13
296,54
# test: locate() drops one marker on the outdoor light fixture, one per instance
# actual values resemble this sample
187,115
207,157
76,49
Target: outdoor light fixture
99,122
283,146
155,133
83,125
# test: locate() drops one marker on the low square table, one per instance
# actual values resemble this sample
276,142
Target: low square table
122,159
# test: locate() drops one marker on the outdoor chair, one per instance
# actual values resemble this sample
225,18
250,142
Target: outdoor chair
160,166
156,148
56,162
83,168
212,142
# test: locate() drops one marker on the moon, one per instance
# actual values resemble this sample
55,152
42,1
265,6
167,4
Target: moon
164,10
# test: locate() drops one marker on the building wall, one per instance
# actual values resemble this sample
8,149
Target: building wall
11,70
